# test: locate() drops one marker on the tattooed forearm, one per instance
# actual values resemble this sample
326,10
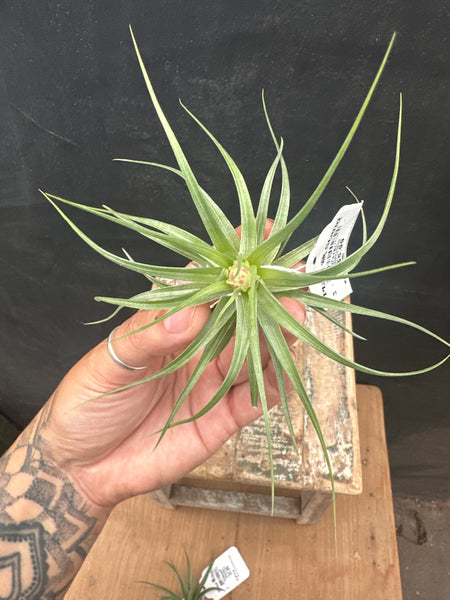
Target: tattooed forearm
46,527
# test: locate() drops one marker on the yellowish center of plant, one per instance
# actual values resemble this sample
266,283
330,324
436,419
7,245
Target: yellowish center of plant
239,276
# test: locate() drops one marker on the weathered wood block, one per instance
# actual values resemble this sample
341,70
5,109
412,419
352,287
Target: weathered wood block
237,477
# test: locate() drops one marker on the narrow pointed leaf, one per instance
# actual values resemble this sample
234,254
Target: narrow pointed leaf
254,396
183,588
267,320
138,267
326,303
105,319
204,208
279,373
165,240
296,255
171,596
217,321
263,205
153,280
155,299
353,259
203,296
248,225
254,356
183,242
259,255
203,580
239,355
219,215
285,195
279,278
221,337
286,320
170,236
326,315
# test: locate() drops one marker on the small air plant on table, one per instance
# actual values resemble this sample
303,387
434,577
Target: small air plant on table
244,276
191,587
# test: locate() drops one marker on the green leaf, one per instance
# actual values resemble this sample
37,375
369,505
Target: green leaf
105,319
363,216
254,357
155,299
183,588
282,279
279,373
172,299
205,208
353,259
248,225
296,255
263,206
181,241
169,292
285,195
326,315
240,352
153,280
142,268
286,320
203,580
252,383
174,238
328,303
203,296
267,318
221,337
171,596
259,255
218,320
219,215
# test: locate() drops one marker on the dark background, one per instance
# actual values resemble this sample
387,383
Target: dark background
72,98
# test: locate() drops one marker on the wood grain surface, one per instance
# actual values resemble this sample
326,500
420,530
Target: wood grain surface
285,560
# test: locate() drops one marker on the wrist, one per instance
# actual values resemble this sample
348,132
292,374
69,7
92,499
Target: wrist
44,515
89,502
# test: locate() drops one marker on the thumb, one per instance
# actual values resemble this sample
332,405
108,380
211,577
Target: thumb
164,338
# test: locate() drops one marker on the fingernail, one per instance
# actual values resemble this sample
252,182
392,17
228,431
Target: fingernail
180,321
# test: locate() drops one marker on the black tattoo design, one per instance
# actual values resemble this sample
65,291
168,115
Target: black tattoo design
25,542
39,556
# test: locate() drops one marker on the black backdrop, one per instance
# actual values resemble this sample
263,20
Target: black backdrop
72,98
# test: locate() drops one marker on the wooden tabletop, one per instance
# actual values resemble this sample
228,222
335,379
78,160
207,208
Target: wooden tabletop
286,560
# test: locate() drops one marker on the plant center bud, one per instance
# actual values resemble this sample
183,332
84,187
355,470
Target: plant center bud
239,276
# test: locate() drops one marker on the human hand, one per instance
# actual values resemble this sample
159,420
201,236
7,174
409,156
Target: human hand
106,443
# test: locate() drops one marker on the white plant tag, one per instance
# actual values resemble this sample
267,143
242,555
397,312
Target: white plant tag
330,249
228,571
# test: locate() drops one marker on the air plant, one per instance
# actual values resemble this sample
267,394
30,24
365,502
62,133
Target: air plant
244,276
191,587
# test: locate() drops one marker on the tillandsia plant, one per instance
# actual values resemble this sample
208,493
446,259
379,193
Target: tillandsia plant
191,587
244,276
